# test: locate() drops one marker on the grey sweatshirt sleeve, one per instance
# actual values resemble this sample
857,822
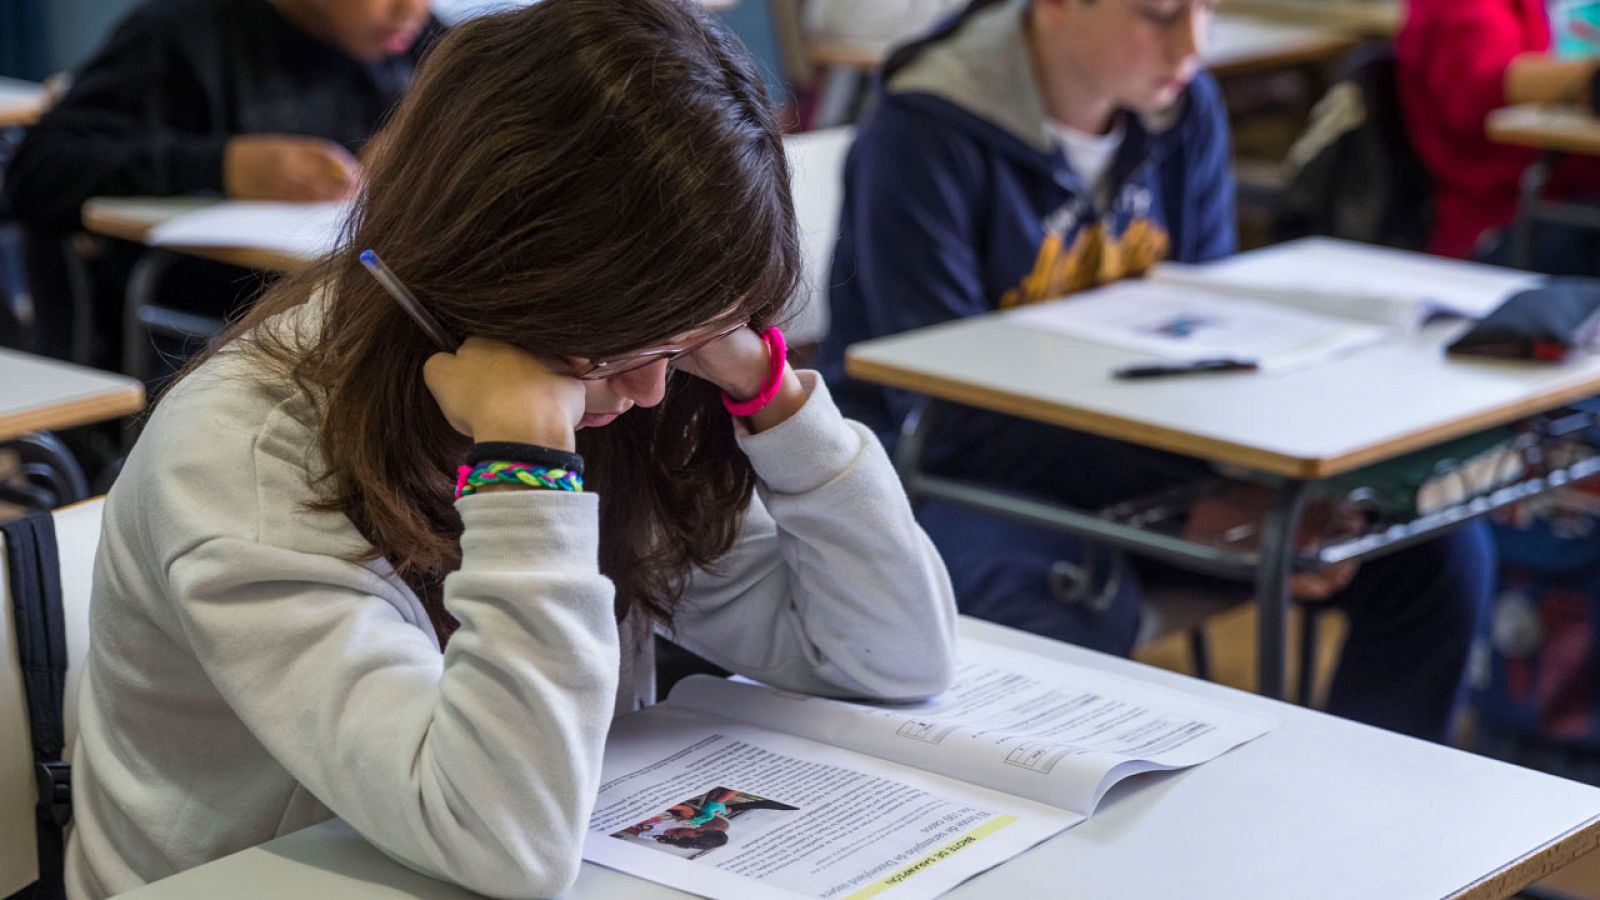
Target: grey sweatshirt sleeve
479,767
832,587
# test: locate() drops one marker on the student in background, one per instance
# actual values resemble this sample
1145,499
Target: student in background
1459,60
250,99
1029,150
296,615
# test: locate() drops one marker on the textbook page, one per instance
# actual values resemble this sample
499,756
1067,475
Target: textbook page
1013,721
1177,322
304,230
1381,285
729,810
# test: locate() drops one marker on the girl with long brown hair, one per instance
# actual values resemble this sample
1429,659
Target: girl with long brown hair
347,572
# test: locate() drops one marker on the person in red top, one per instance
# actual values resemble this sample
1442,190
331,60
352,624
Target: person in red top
1461,59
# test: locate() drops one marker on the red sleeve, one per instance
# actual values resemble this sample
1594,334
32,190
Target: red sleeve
1459,50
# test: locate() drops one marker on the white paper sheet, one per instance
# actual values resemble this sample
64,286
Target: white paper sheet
1389,287
304,230
1175,322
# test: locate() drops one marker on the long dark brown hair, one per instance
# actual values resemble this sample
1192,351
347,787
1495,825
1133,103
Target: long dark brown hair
577,178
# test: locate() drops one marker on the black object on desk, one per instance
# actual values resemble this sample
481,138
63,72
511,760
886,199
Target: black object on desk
1545,323
1162,370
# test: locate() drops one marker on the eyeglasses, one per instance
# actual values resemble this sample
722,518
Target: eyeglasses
612,366
599,370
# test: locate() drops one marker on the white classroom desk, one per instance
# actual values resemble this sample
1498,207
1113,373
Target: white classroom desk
133,218
1318,808
1237,44
816,160
1368,18
21,102
1553,130
1307,425
39,394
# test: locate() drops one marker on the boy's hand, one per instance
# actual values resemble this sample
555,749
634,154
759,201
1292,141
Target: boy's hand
492,391
288,168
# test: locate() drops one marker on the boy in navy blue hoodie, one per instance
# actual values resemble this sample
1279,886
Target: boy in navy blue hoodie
1028,149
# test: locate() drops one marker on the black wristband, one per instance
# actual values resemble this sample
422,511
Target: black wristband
529,454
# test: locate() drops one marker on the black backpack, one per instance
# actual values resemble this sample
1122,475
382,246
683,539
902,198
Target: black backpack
35,585
1354,172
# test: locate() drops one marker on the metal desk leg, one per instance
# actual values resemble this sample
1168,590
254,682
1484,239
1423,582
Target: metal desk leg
1533,182
840,97
914,430
143,283
1272,585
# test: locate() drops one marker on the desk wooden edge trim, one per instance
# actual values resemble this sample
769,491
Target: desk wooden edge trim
840,54
1104,424
1539,139
248,258
1313,51
97,408
108,222
1500,415
17,117
1119,428
1376,22
1535,865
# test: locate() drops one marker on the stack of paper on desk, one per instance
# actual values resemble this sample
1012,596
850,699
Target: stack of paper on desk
304,230
1176,322
1347,280
1282,307
823,798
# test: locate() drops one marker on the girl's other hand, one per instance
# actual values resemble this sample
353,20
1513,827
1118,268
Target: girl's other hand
492,391
739,364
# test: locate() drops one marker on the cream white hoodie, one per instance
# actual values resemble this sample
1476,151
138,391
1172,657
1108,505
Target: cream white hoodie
245,680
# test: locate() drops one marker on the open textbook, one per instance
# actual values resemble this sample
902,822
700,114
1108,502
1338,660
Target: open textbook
1283,307
734,789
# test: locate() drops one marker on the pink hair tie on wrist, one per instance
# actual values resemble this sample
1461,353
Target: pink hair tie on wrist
777,356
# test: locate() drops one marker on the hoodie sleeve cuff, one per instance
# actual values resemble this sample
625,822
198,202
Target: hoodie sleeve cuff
194,164
807,450
515,531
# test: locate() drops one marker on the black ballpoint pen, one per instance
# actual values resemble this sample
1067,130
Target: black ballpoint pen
1160,370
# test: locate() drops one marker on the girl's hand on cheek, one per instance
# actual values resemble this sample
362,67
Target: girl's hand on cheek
492,391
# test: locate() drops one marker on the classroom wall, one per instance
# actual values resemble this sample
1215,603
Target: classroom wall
74,28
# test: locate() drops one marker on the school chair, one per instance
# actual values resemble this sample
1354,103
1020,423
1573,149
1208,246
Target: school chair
146,320
1354,172
816,161
46,569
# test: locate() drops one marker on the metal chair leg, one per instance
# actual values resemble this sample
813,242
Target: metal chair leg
1305,680
1200,653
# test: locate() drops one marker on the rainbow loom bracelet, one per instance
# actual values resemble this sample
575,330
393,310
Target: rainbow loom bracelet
470,478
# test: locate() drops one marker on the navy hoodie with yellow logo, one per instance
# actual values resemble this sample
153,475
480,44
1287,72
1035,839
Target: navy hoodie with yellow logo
957,201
